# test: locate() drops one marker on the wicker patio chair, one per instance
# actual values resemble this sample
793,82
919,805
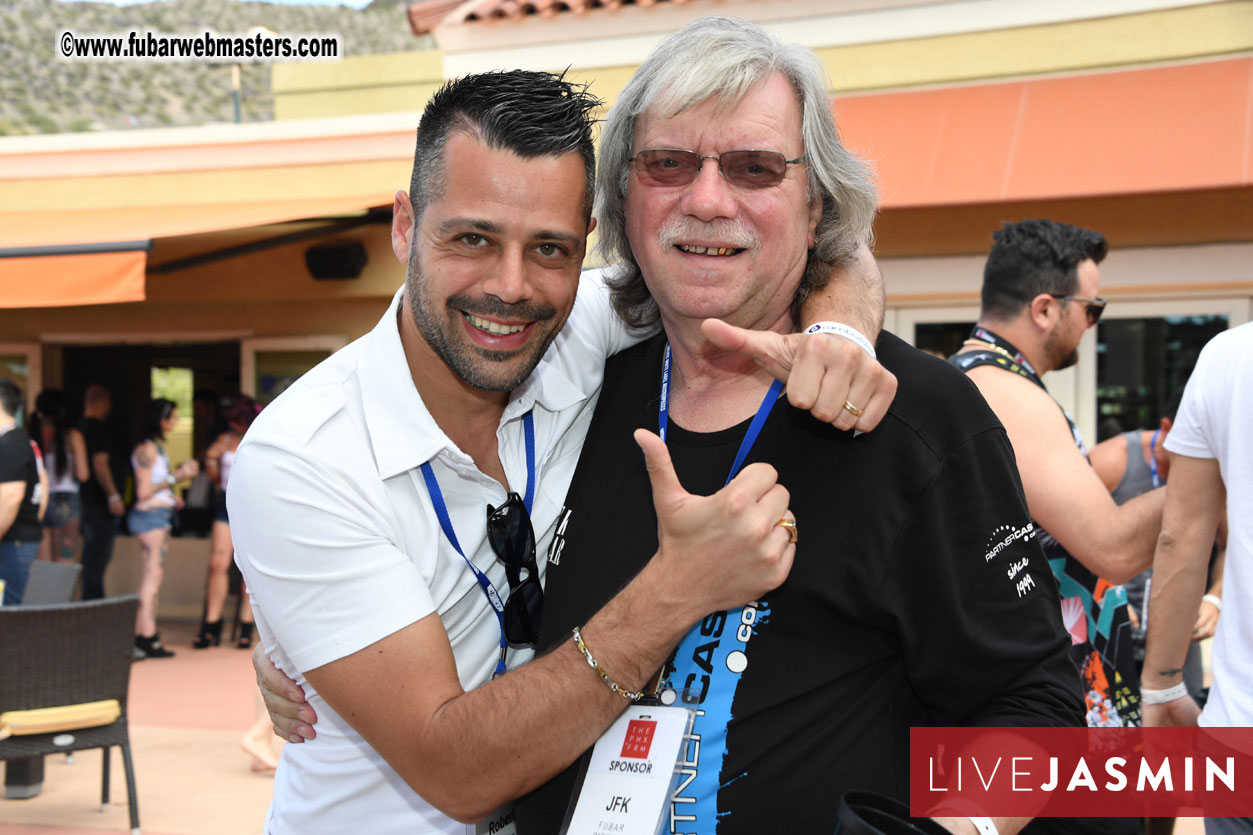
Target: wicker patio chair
51,582
66,671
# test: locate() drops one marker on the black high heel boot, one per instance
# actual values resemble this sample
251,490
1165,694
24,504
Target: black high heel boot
151,646
210,634
245,635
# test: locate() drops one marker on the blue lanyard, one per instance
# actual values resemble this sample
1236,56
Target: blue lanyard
754,428
445,522
1157,481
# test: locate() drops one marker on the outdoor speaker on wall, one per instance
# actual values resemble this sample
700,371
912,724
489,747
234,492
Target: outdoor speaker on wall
336,261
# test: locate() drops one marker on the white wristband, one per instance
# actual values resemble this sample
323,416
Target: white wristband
1215,600
984,825
1161,697
841,329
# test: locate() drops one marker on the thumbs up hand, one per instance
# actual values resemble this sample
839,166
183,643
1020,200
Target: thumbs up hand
724,550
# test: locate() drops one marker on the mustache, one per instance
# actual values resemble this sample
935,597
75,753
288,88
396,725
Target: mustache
490,306
736,233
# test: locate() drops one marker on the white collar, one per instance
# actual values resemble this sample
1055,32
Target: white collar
403,435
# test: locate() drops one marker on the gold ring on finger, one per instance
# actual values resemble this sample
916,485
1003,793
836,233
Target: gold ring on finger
852,410
790,524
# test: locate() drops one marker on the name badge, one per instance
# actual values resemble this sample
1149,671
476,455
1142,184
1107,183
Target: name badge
631,774
500,822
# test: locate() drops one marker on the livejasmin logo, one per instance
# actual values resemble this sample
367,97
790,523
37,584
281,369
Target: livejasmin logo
1080,774
1083,772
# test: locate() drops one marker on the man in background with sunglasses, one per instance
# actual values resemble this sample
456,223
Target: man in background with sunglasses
1040,294
358,497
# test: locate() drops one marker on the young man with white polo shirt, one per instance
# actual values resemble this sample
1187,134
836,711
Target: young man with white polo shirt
357,499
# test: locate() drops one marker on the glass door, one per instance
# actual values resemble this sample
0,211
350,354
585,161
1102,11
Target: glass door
1145,352
1129,365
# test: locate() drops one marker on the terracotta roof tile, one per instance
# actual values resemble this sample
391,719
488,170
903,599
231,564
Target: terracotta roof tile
425,16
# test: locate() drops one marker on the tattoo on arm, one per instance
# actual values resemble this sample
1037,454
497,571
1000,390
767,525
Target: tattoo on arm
1173,671
144,456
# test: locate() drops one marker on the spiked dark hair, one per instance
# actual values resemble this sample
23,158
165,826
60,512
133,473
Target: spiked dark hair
531,114
1033,257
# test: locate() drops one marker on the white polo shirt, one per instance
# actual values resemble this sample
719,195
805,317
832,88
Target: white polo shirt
337,539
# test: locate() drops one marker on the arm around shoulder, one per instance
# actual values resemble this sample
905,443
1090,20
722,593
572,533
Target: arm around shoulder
853,295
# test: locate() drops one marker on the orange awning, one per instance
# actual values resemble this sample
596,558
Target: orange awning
1178,128
80,278
38,270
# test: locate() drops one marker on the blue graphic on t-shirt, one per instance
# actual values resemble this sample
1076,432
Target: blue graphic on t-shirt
707,669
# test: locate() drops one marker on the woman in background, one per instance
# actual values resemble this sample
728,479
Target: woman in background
150,518
65,461
238,414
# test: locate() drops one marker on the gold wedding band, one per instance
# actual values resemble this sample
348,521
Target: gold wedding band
852,410
790,524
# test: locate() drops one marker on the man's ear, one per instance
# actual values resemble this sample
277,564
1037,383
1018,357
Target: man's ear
815,215
1041,311
591,225
402,226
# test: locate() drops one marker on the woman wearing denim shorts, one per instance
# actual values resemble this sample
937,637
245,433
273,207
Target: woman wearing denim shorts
238,413
149,520
65,461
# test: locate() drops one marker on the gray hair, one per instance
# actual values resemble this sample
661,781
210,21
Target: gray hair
725,57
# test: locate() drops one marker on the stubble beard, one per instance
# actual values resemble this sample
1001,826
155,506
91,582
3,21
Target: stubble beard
481,367
1060,354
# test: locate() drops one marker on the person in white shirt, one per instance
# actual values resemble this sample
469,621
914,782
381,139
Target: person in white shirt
1211,466
358,498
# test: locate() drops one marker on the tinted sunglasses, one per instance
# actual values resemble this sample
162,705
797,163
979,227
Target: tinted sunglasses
1095,307
746,169
512,538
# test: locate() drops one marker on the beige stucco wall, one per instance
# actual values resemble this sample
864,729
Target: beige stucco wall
361,84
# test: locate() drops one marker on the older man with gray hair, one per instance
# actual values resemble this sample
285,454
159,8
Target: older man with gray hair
918,595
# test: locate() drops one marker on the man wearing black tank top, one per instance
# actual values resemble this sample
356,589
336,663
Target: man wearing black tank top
1040,294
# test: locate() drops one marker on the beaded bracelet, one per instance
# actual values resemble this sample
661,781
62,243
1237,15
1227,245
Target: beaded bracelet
591,662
